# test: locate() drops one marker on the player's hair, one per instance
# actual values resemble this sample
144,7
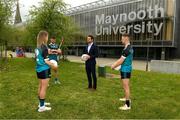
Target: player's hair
53,37
125,35
92,37
41,38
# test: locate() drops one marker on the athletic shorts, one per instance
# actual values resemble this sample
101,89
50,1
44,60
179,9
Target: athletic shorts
125,75
44,74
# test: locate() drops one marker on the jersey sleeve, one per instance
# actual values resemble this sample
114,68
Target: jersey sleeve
44,51
49,46
126,52
58,46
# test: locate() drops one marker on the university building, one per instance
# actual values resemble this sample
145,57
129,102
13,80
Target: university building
154,26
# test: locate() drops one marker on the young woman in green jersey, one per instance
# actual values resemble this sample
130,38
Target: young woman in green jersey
42,69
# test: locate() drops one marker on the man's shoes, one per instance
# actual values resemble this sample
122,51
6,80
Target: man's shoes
88,88
93,89
44,108
125,107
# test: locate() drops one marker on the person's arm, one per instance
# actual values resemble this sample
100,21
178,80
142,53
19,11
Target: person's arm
59,51
44,52
95,53
52,52
56,51
50,64
120,61
49,51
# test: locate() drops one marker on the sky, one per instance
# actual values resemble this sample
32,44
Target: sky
25,5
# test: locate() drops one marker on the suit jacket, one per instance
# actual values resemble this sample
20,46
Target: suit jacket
93,53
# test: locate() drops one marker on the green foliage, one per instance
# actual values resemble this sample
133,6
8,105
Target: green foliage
5,11
18,37
15,36
5,14
50,16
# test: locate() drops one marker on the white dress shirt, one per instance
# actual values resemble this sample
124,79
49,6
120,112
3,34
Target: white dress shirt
89,46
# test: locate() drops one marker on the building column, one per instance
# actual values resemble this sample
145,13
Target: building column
77,51
163,54
154,54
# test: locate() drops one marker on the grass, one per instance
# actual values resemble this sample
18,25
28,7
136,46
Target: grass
154,95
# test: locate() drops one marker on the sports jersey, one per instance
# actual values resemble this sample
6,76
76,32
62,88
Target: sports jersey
41,54
127,53
53,46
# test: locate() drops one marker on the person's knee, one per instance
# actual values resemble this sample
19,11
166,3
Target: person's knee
125,84
44,83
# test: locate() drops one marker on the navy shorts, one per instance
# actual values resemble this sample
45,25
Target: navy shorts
44,74
125,75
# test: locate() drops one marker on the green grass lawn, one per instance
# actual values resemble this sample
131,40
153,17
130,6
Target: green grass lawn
154,95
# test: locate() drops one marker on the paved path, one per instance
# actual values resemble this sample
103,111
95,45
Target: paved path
137,64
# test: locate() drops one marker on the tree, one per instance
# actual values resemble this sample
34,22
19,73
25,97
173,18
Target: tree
5,14
50,16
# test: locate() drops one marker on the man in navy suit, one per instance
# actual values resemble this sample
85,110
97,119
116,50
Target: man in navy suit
92,51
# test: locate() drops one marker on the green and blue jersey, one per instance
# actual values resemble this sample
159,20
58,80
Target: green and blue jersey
127,53
41,54
53,46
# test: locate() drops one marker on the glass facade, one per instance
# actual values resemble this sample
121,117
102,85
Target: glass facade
149,22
